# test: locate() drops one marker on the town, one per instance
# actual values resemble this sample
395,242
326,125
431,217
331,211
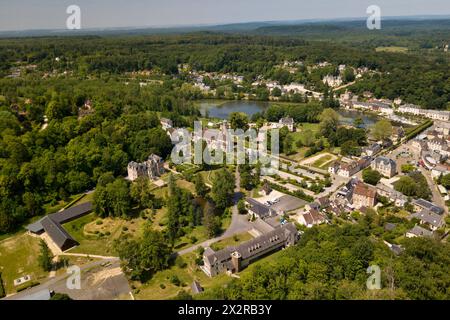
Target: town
344,165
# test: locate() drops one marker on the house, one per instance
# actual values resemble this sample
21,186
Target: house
334,167
440,169
432,114
437,144
363,196
348,169
395,196
287,122
372,150
166,123
431,219
260,210
418,231
443,127
324,202
311,218
421,204
387,167
152,168
234,259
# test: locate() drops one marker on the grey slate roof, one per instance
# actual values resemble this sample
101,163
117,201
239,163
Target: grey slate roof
429,206
58,234
260,209
62,216
429,217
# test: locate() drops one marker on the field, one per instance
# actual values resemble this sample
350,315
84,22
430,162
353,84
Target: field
18,258
96,235
160,287
299,135
393,49
232,241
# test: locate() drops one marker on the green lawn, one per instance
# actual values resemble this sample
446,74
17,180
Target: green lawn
232,241
392,49
322,161
159,287
18,258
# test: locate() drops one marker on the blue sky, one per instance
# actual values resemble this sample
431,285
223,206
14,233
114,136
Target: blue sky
51,14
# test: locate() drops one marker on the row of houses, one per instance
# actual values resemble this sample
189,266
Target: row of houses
431,114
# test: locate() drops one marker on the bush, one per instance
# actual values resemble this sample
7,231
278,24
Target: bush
162,286
175,281
180,263
99,222
2,287
124,228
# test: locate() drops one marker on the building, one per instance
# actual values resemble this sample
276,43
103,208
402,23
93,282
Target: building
431,114
311,218
266,189
260,210
440,169
387,167
395,196
418,231
431,219
372,150
334,167
287,122
196,287
363,196
166,123
422,204
58,234
348,169
152,168
443,127
234,259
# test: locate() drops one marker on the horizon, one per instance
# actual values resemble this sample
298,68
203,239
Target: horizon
33,15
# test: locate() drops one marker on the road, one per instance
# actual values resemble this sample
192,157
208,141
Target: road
98,282
239,222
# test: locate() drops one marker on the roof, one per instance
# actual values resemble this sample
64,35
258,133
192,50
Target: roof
196,287
57,233
260,209
419,231
364,190
385,161
62,216
287,120
314,217
390,226
428,217
428,205
254,246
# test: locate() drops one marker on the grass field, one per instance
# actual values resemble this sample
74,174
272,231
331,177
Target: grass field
232,241
160,286
18,258
298,135
319,163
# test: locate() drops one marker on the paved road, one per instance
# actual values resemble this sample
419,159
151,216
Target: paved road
109,289
239,222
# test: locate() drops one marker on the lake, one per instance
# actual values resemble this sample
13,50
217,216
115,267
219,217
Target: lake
222,110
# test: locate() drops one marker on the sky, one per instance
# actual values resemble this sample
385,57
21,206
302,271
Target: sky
51,14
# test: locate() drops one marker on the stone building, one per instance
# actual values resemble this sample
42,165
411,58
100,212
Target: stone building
152,168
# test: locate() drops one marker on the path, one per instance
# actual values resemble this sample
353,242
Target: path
239,222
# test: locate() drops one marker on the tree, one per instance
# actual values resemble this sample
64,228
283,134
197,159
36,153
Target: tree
350,148
211,221
406,185
382,129
45,257
222,191
241,207
371,176
329,121
288,145
238,120
445,181
141,258
200,187
61,296
113,199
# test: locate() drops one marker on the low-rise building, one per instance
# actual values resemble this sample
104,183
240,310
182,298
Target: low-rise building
418,231
421,204
363,196
387,167
440,169
234,259
259,210
166,123
433,220
372,150
395,196
288,122
311,218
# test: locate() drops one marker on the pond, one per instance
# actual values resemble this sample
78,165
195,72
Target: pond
222,110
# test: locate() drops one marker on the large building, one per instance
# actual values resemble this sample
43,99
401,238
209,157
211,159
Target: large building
432,114
387,167
364,196
234,259
152,168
